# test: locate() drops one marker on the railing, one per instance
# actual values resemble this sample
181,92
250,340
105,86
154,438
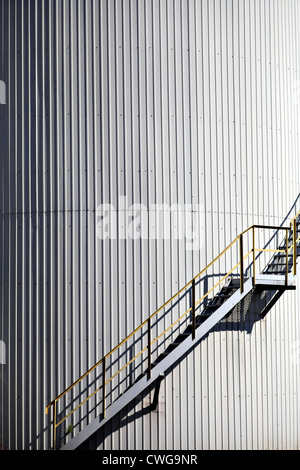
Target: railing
192,285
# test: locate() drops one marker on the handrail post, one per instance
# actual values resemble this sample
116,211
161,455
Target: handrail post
104,383
241,264
294,248
286,256
193,308
253,239
54,425
149,348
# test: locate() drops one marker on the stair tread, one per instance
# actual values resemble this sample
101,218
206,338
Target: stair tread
276,272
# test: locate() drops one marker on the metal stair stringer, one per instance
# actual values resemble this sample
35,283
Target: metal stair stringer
160,368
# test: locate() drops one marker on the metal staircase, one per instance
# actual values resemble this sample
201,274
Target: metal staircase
190,327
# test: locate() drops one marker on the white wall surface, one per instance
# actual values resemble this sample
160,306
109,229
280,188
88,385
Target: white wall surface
190,103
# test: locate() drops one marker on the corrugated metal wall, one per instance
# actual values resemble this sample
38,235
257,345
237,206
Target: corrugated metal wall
194,103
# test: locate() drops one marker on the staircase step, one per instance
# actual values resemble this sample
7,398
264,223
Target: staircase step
275,272
283,255
203,314
281,259
223,296
182,336
213,306
281,262
235,283
282,247
297,231
279,265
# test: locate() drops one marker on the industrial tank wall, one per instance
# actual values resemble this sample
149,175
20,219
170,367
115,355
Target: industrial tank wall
139,104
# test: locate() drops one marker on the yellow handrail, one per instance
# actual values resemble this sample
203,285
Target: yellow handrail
242,257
